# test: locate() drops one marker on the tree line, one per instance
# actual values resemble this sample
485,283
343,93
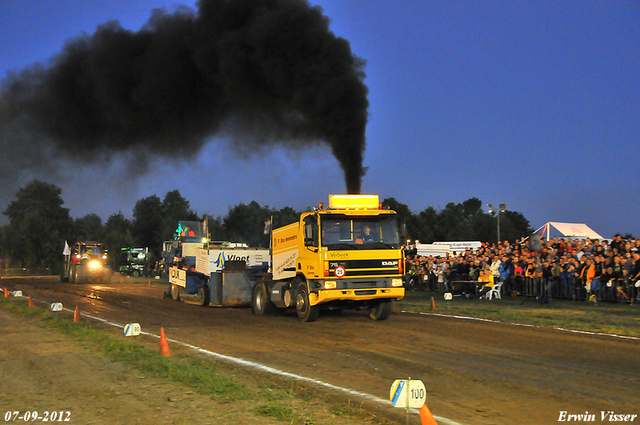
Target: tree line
39,225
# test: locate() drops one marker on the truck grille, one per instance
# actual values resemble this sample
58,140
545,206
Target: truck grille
362,293
358,268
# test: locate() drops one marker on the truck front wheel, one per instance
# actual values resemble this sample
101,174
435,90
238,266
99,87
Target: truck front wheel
380,310
306,312
261,304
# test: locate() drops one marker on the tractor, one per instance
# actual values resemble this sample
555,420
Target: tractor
86,263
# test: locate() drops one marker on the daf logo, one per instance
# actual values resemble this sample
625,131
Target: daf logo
390,263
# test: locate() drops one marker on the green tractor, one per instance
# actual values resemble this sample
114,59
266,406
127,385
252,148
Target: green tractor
134,261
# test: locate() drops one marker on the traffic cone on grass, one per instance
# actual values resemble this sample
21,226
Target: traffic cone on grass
6,293
426,418
164,345
76,314
31,304
433,304
120,279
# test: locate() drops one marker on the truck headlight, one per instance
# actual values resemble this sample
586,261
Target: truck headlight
396,282
330,284
94,265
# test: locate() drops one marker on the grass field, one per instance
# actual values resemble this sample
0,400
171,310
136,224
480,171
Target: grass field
614,318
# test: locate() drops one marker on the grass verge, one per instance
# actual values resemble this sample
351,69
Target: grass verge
612,318
279,399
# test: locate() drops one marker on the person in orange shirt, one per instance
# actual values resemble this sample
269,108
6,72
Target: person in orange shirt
587,274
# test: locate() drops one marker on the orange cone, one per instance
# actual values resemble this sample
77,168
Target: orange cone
76,314
120,279
426,418
31,304
149,282
433,304
164,345
6,293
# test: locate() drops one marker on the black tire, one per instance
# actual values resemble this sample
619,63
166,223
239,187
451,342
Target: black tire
306,312
261,304
72,274
175,292
380,310
135,273
77,275
203,295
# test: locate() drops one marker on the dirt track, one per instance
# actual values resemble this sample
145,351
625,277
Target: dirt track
475,372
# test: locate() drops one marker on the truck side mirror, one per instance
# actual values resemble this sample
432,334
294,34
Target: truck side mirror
309,235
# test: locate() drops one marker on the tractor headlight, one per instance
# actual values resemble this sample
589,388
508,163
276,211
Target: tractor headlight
94,265
396,282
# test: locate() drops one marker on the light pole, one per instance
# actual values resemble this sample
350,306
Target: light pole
493,211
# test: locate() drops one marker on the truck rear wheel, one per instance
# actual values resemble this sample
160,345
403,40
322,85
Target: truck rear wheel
306,312
175,292
380,310
203,295
261,304
72,274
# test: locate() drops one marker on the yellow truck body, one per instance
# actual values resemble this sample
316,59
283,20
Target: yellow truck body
345,255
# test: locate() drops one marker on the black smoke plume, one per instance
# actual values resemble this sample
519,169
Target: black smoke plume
261,72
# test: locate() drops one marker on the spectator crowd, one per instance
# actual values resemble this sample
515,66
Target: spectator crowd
577,269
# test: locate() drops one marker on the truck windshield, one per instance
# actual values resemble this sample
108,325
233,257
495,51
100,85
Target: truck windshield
92,250
341,232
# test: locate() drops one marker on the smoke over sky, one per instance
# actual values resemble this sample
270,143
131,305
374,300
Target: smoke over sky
531,104
262,73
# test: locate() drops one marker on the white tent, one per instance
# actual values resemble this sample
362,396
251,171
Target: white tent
570,230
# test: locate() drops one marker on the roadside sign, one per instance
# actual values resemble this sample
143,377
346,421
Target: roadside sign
132,329
56,307
409,393
17,293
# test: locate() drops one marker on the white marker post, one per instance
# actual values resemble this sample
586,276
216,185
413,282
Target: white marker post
132,329
56,307
408,393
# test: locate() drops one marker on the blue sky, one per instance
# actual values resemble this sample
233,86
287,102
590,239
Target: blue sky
532,104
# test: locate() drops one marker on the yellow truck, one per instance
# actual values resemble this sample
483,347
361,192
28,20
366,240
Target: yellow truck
344,255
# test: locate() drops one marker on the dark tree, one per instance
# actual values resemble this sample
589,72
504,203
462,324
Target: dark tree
38,226
284,216
148,222
117,235
175,209
245,223
88,228
216,229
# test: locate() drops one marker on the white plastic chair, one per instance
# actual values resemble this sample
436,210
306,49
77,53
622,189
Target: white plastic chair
495,291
